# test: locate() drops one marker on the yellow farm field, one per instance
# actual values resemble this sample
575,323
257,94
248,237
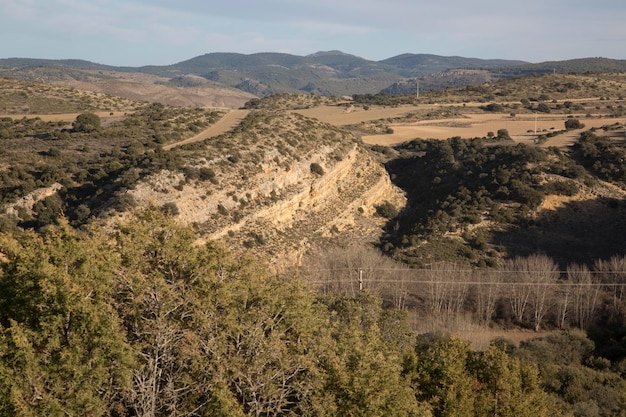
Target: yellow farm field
521,128
341,116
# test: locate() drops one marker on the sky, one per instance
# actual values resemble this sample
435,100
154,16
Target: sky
161,32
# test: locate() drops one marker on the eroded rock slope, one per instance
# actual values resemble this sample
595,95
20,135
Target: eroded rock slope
276,185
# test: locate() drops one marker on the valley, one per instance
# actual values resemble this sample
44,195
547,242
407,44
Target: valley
472,222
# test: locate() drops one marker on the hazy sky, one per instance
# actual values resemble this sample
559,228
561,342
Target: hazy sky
160,32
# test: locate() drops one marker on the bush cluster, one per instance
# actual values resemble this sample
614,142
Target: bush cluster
216,336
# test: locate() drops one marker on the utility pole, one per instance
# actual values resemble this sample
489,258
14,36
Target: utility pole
417,88
360,279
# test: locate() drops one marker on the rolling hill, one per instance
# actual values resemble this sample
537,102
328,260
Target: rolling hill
331,73
466,215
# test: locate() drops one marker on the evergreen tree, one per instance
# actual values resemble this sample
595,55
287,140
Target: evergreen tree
62,351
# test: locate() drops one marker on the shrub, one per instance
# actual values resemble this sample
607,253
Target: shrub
222,210
170,209
503,134
568,188
123,201
573,124
543,108
86,123
317,168
387,210
494,107
385,150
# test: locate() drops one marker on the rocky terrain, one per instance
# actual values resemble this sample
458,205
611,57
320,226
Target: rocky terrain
282,184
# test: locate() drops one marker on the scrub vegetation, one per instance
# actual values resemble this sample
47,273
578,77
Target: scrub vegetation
110,307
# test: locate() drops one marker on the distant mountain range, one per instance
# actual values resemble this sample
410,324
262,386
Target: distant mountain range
327,73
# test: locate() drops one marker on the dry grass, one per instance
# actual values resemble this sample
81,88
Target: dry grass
349,115
479,337
521,128
469,121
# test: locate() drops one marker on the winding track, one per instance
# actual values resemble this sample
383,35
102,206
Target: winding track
225,124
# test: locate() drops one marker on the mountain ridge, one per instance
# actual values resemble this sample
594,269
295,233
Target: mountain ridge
331,73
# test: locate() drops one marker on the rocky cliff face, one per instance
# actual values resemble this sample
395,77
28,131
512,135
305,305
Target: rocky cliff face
275,186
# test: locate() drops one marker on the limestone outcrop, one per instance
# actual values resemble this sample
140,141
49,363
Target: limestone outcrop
276,185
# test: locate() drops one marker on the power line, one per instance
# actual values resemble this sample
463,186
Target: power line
413,277
500,283
468,271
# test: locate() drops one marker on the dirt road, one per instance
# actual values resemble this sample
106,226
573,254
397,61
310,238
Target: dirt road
225,124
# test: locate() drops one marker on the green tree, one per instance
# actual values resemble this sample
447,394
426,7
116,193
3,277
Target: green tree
161,278
506,388
215,335
364,375
62,351
87,123
48,209
503,134
569,370
317,168
494,107
441,378
573,124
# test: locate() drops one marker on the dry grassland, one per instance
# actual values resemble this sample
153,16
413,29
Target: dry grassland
471,122
479,125
479,337
343,116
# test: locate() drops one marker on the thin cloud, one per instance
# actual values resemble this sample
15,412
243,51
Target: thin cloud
532,30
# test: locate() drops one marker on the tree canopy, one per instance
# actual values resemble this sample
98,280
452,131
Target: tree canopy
86,123
144,321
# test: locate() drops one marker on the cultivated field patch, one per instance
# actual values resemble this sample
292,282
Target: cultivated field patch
522,129
468,121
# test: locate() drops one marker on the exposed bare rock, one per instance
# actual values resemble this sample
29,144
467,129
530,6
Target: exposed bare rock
28,202
263,194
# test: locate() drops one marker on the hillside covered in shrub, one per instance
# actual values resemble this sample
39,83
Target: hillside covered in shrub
148,323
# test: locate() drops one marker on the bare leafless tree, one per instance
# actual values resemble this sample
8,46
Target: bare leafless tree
487,290
346,270
398,290
585,294
446,288
517,291
532,283
613,274
436,287
543,275
563,296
